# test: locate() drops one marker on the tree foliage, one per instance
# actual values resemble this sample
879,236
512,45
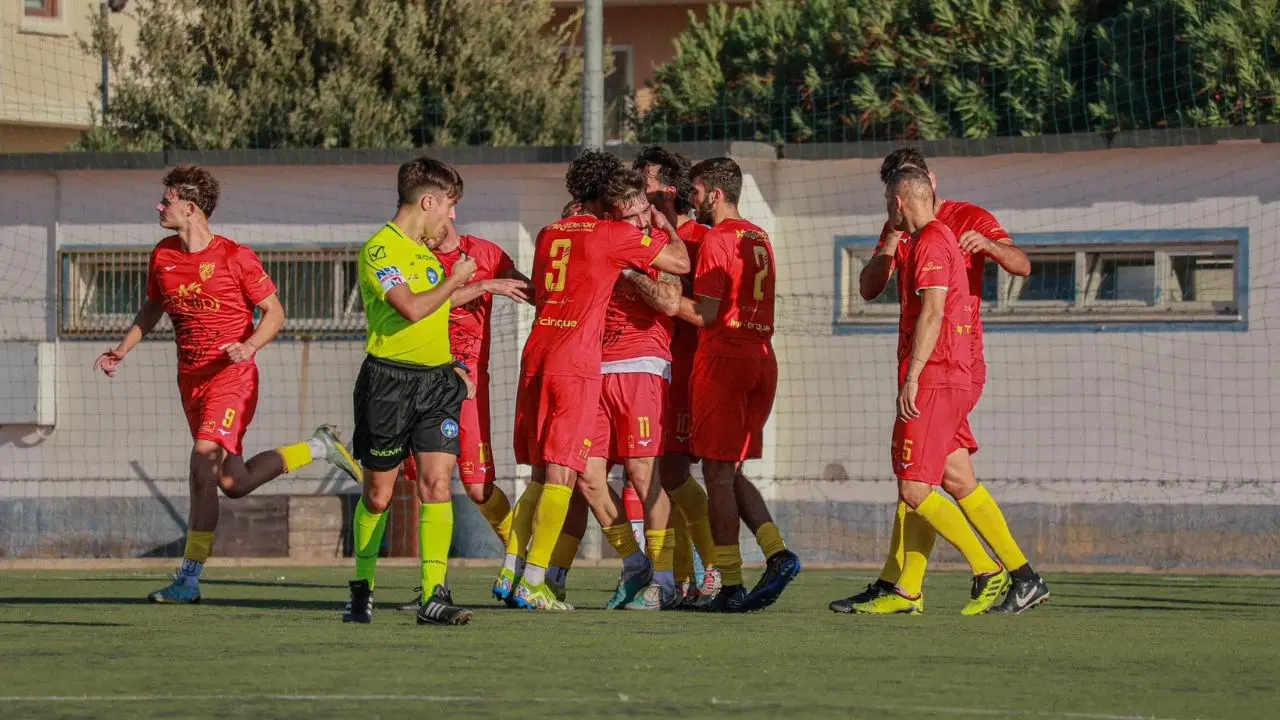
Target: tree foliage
218,74
844,70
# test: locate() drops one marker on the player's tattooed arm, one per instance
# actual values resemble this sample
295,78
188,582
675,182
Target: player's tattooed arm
662,294
1002,250
143,323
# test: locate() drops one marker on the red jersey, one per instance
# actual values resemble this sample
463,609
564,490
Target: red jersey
961,217
933,260
209,296
575,266
469,331
684,337
735,266
632,327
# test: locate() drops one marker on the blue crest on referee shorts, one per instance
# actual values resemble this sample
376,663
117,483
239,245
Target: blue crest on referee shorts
433,277
449,429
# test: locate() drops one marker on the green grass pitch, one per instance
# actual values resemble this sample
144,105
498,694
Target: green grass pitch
269,643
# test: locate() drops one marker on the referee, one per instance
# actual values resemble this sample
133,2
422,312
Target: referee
410,391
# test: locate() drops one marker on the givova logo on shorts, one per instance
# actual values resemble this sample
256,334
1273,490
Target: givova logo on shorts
449,429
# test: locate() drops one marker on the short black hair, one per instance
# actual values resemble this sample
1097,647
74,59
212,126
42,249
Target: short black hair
589,173
673,171
900,158
424,174
721,174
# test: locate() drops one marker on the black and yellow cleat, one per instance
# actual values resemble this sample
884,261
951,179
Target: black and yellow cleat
986,592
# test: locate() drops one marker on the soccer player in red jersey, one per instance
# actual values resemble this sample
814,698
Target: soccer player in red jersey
934,379
980,237
209,286
576,264
670,190
734,379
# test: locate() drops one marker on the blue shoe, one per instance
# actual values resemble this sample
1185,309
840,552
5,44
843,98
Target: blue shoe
504,587
178,593
781,569
630,585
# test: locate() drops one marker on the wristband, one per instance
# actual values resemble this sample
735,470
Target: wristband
462,365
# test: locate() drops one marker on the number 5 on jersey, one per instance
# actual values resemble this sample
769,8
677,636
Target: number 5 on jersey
762,262
559,253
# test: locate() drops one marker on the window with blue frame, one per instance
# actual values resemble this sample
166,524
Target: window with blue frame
101,290
1112,277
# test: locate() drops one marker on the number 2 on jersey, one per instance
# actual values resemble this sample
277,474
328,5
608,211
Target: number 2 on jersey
559,263
762,262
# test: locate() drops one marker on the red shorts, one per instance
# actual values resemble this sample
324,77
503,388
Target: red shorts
734,398
556,419
475,464
631,418
964,437
220,406
679,431
921,446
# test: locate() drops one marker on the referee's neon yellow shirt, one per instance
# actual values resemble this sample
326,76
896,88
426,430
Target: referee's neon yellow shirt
389,259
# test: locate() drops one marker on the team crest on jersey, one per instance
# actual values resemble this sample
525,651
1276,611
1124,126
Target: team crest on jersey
449,429
433,277
206,271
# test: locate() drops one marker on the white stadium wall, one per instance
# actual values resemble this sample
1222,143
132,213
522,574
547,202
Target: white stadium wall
1139,443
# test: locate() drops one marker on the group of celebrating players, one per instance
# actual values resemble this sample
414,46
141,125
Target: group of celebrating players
651,348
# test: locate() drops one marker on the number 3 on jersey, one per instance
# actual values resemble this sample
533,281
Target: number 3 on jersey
559,264
762,262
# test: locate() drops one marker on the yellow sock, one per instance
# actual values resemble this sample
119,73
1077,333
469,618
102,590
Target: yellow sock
729,560
660,546
917,542
622,539
691,500
682,557
548,521
770,539
295,456
892,570
566,551
522,520
199,546
497,510
367,529
952,526
985,516
435,533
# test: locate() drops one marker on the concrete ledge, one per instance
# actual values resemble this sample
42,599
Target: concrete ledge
315,530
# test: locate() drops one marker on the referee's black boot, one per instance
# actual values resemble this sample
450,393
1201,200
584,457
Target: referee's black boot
440,610
360,606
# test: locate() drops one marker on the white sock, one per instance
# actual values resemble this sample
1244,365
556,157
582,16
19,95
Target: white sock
534,575
557,575
190,571
634,562
510,562
317,448
666,578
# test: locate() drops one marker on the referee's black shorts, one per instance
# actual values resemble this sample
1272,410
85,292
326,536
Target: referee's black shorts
402,408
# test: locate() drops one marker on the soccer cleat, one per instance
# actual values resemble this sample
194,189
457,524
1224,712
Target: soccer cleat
440,610
709,589
782,568
1022,596
986,592
630,585
177,593
687,596
728,599
538,597
336,453
560,591
360,606
872,591
655,597
505,586
891,603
